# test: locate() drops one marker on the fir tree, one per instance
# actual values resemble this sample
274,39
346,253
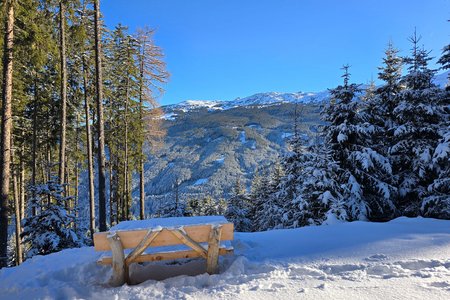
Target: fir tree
51,229
238,209
320,198
344,134
417,118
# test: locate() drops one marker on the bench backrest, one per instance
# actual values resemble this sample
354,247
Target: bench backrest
132,238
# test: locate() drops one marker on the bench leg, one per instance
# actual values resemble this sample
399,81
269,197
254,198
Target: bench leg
120,270
212,260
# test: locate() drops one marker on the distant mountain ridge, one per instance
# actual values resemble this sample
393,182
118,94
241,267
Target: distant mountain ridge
209,144
269,98
259,99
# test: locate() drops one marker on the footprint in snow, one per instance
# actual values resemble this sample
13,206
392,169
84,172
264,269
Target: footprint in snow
376,257
440,285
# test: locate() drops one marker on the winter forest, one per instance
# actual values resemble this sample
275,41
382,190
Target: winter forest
81,100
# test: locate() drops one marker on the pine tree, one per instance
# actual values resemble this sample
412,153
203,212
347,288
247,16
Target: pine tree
51,229
320,199
344,134
436,203
417,118
238,209
100,121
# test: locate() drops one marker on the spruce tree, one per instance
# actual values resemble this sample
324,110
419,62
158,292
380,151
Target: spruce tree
417,117
320,199
52,228
238,208
344,133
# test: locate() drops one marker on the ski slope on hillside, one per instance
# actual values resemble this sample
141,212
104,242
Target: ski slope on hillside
401,259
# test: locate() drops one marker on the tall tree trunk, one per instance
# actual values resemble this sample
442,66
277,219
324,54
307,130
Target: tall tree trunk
141,116
6,130
63,91
34,144
89,152
125,167
100,127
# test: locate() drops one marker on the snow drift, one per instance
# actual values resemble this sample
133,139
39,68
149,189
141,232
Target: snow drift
404,259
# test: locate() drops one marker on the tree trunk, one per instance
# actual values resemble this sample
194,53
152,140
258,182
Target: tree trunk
22,177
16,208
34,144
141,189
125,167
141,159
63,92
111,194
100,127
6,130
89,153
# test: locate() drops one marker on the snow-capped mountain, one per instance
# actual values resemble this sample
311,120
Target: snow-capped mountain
259,100
211,143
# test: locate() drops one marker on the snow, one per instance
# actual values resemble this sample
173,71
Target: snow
259,100
402,259
285,135
169,116
201,181
242,137
220,160
168,222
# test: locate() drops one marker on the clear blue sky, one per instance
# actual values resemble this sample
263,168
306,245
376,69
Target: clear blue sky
223,49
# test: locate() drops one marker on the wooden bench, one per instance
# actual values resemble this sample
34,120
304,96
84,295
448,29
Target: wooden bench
144,235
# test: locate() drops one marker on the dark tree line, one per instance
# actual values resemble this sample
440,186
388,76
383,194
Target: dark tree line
72,88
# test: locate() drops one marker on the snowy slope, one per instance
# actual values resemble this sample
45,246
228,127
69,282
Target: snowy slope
401,259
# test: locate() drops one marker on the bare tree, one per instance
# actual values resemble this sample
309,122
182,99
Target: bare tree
152,76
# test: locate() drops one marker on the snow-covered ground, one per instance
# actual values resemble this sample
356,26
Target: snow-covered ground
401,259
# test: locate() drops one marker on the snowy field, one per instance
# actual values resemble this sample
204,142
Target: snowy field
401,259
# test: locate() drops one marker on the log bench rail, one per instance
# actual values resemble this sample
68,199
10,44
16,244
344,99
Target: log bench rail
140,240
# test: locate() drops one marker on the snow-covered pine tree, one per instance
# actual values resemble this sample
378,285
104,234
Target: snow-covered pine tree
290,183
238,208
51,229
445,62
375,115
320,198
417,117
437,203
344,133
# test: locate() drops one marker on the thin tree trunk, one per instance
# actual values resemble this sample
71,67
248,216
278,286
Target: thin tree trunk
6,130
100,127
141,189
16,208
22,177
141,116
125,167
34,144
63,92
111,209
89,152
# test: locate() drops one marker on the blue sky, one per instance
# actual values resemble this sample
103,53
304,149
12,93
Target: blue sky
223,49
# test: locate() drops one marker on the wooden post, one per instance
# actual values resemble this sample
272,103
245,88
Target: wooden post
185,239
119,276
212,261
146,241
